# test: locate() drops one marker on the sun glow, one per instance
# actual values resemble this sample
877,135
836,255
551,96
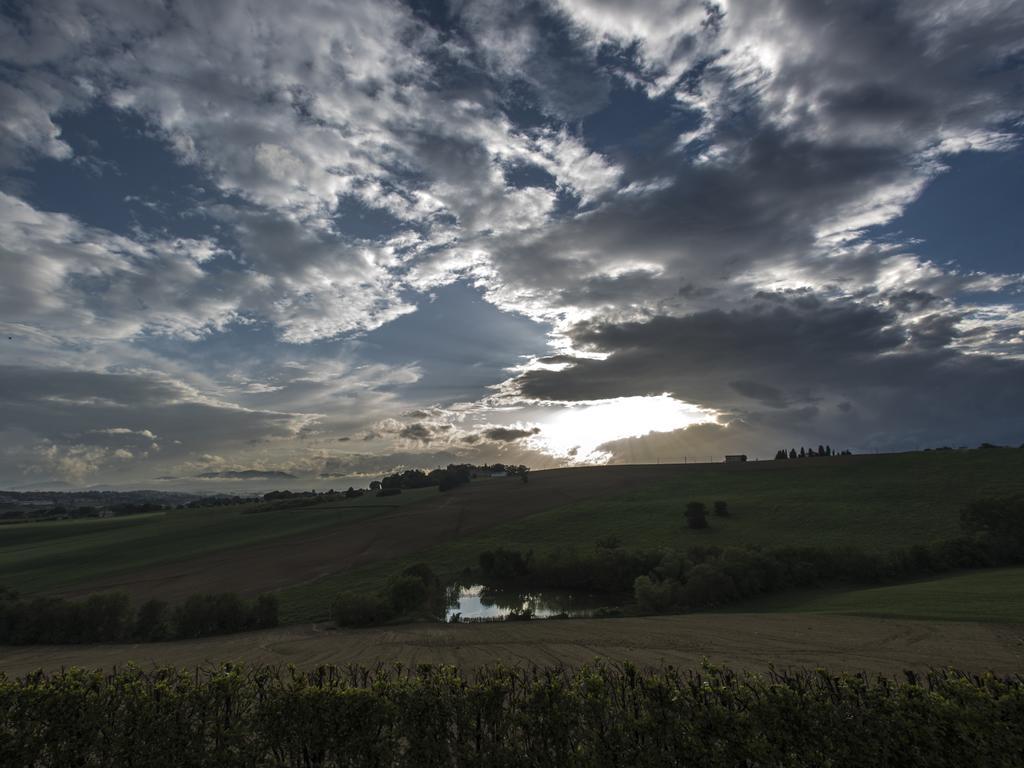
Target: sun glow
576,432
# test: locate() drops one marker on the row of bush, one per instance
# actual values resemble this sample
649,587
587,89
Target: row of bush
594,717
414,593
110,618
708,576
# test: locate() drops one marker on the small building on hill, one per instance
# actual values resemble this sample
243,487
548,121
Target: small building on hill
735,458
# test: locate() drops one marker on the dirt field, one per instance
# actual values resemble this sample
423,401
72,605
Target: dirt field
298,559
743,641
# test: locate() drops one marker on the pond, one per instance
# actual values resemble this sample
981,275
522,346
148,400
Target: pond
479,603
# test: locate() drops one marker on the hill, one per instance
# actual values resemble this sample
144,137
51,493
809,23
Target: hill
266,546
308,552
877,503
988,595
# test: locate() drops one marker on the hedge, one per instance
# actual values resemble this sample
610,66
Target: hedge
591,717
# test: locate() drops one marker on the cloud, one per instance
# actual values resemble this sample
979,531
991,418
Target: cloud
423,433
507,435
797,366
722,243
58,420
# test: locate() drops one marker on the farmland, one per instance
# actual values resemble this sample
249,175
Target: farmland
269,546
743,641
306,552
987,595
876,503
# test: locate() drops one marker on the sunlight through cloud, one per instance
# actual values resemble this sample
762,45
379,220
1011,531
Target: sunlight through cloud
576,432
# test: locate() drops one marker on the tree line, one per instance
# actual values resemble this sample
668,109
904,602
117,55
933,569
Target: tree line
445,479
109,618
823,450
432,717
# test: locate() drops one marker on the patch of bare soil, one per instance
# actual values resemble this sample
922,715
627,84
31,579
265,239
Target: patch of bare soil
742,641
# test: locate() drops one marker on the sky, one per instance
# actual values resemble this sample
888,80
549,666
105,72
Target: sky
251,244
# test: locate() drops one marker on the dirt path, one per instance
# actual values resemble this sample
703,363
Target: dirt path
743,641
465,511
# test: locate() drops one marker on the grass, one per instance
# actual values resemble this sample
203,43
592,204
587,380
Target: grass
877,503
36,557
988,595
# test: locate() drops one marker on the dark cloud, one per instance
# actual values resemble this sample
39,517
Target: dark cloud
508,435
792,367
423,433
80,422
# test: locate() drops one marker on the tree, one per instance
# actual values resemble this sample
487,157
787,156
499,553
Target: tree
792,453
696,514
153,621
1000,518
375,485
780,454
265,611
803,453
655,596
407,594
104,617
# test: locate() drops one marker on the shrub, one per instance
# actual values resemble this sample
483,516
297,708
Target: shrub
654,596
105,617
596,715
721,509
265,612
108,618
519,614
389,491
708,585
153,621
1000,518
406,594
503,564
203,615
696,515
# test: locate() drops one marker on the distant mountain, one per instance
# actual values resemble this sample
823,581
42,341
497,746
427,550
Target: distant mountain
249,474
46,485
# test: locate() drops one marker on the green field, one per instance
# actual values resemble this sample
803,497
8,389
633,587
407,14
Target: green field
36,557
987,595
876,503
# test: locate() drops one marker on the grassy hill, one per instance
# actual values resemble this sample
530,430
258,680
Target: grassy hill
307,553
51,556
877,503
988,595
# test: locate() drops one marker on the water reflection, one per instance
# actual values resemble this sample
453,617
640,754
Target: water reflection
479,603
